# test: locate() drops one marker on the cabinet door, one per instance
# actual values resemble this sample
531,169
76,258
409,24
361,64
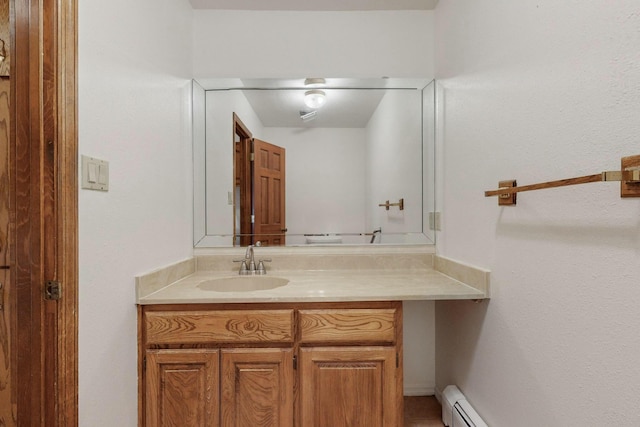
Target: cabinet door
257,387
182,388
350,387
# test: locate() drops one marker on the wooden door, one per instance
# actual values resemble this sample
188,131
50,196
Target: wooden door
269,226
43,213
182,388
257,388
349,387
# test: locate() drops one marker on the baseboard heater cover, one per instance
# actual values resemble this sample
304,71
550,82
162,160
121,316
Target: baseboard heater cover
456,411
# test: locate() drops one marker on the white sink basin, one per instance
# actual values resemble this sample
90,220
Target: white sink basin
243,284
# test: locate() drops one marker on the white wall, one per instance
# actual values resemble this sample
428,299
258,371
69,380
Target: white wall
394,136
541,90
134,89
313,44
325,179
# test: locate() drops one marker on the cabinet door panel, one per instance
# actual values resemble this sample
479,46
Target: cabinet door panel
182,388
257,388
349,387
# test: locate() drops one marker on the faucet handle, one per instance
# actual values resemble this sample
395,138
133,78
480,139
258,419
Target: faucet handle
243,266
261,269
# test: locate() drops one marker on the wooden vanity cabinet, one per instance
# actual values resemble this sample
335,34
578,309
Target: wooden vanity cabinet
280,365
351,367
205,365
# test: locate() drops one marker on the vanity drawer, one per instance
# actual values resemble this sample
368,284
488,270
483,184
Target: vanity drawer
219,327
347,326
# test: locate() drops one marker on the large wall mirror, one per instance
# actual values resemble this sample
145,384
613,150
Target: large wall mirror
313,161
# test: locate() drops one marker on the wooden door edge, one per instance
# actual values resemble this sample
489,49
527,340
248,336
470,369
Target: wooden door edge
67,260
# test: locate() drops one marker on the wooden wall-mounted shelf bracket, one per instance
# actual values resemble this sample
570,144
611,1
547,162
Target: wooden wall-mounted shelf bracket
507,199
386,205
630,187
628,175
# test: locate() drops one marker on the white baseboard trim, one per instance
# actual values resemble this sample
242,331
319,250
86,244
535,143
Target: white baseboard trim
438,394
419,390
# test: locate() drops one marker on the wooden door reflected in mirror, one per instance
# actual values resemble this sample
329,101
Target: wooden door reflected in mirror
259,190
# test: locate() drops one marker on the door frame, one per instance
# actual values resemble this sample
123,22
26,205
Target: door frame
44,197
242,172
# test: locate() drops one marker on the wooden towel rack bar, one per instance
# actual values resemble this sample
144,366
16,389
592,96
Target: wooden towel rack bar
629,177
400,204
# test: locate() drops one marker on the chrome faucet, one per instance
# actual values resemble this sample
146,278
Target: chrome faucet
373,235
248,264
249,260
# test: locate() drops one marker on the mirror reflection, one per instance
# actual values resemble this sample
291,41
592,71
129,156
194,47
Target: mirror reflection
294,162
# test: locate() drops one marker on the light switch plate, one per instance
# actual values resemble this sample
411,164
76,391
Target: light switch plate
95,174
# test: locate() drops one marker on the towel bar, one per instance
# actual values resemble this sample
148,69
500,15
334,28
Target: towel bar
628,175
400,204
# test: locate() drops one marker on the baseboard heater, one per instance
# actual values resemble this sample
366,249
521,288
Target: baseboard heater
456,411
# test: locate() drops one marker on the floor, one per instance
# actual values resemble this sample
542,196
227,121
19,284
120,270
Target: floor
422,411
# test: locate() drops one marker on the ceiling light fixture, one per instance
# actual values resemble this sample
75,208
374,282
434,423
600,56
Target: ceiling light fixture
314,81
315,98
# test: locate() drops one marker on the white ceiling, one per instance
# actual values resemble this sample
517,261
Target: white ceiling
315,5
279,102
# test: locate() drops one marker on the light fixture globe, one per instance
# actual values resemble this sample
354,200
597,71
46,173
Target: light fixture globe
315,98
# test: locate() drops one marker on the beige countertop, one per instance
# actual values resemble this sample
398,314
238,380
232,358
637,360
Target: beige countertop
321,286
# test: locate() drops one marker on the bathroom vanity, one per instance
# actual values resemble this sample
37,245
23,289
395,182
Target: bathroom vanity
317,341
325,364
